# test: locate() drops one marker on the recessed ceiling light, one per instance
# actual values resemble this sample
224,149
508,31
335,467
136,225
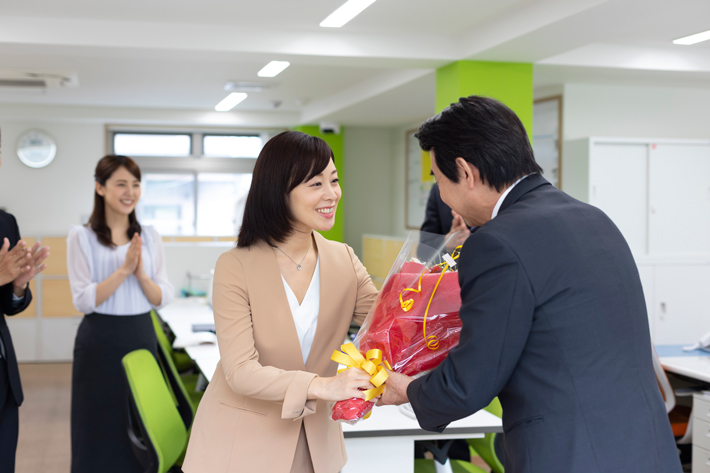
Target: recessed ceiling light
273,68
345,13
692,39
230,101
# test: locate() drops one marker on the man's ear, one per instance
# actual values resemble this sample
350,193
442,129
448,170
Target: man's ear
101,190
468,173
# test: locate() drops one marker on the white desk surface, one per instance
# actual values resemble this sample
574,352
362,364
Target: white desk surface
389,421
696,367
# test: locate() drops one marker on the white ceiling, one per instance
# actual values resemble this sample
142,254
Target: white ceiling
378,69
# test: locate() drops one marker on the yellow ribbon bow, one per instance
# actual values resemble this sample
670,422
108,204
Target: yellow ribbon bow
372,363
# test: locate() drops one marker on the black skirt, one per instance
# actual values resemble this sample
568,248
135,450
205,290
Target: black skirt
99,404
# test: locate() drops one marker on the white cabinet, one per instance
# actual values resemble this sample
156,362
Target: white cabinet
658,193
679,199
681,303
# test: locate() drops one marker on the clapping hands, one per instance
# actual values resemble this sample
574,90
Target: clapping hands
134,263
21,264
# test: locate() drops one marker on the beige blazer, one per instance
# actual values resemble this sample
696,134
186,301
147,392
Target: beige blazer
251,414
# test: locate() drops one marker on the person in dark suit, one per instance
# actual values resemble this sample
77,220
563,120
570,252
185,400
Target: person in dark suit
441,220
18,264
553,312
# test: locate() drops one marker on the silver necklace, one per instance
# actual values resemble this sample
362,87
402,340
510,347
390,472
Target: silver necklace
298,265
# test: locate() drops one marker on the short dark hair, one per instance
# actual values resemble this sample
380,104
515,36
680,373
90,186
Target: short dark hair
486,134
287,160
104,170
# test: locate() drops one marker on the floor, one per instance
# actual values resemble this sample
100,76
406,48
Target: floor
44,443
44,419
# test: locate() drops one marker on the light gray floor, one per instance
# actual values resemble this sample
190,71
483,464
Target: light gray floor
44,444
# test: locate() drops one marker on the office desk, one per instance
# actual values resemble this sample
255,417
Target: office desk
180,315
694,364
388,435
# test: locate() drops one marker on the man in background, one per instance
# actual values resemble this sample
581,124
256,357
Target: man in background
18,264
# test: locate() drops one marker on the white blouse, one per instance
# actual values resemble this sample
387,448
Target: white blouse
89,262
306,315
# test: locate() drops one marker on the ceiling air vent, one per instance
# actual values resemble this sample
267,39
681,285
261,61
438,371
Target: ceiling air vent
36,80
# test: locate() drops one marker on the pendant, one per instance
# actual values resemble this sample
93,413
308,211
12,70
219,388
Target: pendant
298,267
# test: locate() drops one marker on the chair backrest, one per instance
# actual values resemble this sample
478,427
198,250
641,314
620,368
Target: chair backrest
663,384
158,418
485,447
177,387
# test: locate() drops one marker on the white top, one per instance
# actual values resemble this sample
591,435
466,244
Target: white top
305,315
502,197
89,262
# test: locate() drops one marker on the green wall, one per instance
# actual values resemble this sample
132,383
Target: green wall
511,83
336,144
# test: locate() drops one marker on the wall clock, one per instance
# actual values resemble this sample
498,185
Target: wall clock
36,148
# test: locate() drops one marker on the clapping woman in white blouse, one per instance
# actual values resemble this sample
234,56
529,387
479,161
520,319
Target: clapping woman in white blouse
117,275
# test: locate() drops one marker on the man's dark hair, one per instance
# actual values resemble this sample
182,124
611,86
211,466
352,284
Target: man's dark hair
486,134
285,161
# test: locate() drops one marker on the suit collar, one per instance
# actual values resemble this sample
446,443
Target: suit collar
531,182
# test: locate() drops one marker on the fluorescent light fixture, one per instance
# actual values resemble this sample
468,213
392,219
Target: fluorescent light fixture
230,101
273,68
692,39
345,13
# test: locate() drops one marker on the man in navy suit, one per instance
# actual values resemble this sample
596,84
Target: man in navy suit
18,264
554,318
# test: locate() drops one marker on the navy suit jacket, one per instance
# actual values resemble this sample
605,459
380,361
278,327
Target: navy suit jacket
9,230
555,325
438,218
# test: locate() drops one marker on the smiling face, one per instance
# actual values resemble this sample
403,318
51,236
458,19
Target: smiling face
313,203
121,192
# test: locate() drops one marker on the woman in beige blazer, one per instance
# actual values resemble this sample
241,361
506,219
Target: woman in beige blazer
267,408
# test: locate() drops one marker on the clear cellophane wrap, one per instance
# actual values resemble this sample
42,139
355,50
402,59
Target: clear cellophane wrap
414,322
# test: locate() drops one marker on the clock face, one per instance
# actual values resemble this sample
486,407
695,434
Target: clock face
36,148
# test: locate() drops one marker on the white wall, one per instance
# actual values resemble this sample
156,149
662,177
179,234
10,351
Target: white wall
368,174
48,201
635,112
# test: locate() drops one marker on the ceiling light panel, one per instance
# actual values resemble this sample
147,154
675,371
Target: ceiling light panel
692,39
345,13
230,101
273,68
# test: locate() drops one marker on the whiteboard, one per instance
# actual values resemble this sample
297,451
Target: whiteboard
418,181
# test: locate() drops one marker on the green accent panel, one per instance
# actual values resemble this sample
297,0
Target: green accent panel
336,144
509,82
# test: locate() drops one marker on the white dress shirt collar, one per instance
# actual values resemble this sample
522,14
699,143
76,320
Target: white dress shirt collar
496,209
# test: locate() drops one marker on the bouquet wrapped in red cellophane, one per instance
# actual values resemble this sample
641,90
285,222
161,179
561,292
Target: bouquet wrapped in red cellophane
414,322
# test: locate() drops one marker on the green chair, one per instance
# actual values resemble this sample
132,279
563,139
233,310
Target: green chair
156,429
441,455
181,359
187,382
484,447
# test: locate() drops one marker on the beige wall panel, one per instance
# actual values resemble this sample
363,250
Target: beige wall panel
372,257
57,261
31,311
29,240
227,238
392,249
56,299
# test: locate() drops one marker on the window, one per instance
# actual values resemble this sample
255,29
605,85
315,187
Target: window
144,144
231,146
195,183
168,203
220,202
